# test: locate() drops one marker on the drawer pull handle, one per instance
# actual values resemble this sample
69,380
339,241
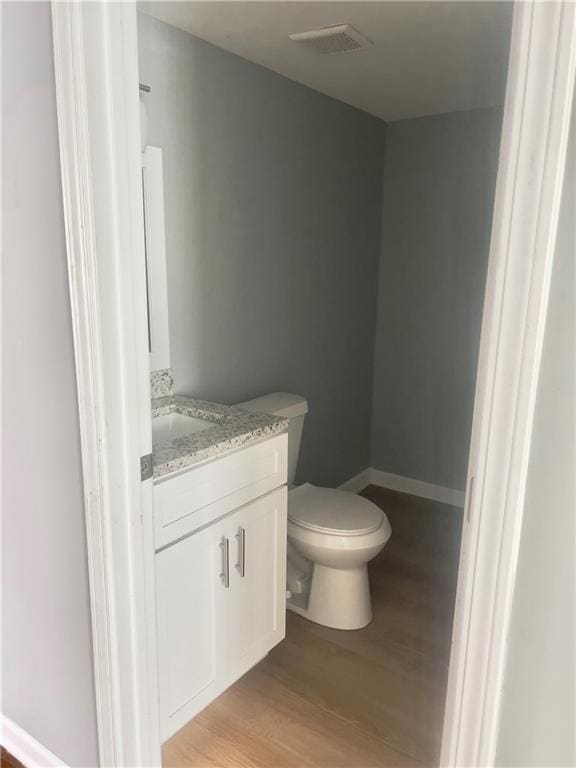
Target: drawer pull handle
225,573
241,564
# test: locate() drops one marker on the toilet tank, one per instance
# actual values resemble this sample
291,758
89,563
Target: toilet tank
292,407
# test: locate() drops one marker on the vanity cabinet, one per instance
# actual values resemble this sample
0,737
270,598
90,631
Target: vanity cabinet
220,601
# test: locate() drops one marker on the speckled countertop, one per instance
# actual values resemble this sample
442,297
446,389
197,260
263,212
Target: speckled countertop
233,428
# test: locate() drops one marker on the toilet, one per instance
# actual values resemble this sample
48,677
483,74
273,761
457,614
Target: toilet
332,535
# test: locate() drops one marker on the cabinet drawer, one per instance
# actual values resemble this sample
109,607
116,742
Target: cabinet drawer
204,493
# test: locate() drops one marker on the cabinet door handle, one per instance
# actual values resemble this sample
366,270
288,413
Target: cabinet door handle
225,573
241,564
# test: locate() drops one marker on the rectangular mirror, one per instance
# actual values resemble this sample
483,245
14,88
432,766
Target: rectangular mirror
155,249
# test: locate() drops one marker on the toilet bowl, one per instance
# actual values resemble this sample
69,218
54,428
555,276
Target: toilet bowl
332,535
338,533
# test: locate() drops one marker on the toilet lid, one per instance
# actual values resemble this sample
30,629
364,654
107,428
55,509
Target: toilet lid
330,511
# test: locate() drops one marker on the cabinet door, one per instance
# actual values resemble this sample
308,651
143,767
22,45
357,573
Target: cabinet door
258,580
192,625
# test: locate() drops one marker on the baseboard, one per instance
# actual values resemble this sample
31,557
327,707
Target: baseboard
404,485
417,488
358,482
25,748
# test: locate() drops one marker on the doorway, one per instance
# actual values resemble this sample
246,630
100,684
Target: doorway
132,737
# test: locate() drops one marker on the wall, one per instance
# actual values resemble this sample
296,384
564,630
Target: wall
273,215
538,710
439,180
47,685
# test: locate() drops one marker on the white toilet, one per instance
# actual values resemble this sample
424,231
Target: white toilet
332,535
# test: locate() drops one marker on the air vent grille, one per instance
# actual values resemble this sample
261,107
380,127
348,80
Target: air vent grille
341,38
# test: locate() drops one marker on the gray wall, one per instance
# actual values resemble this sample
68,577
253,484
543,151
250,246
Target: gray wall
538,712
47,685
273,215
439,180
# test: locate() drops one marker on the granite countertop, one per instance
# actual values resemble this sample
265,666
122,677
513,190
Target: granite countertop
233,428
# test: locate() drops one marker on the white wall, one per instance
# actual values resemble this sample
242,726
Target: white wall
538,716
47,685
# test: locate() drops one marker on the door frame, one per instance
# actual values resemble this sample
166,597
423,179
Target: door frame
531,169
96,65
96,69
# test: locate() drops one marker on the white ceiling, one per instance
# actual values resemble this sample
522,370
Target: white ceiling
427,58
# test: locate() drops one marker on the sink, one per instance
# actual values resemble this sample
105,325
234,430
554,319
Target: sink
173,425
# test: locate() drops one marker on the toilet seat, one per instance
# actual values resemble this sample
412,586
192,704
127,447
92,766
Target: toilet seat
330,511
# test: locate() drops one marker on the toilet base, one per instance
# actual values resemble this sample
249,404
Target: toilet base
338,598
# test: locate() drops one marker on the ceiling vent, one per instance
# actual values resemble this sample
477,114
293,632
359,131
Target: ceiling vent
341,38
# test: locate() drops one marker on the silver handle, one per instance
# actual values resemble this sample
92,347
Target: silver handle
225,573
241,564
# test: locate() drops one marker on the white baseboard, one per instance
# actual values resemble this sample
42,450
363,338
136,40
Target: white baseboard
404,485
358,482
417,488
25,748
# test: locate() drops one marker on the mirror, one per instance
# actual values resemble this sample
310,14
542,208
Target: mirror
155,250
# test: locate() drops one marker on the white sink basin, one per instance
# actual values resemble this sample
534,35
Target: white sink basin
165,428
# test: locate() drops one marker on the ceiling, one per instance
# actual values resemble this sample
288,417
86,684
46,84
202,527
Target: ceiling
427,57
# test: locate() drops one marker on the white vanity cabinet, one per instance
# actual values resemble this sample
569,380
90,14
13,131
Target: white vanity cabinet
221,592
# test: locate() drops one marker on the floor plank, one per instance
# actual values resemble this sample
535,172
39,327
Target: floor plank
372,698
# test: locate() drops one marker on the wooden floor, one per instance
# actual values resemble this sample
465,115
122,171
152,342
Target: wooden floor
8,761
328,698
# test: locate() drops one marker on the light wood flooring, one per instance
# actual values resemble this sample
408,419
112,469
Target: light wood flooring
329,699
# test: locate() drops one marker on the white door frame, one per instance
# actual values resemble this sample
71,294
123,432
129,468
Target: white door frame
526,209
96,66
